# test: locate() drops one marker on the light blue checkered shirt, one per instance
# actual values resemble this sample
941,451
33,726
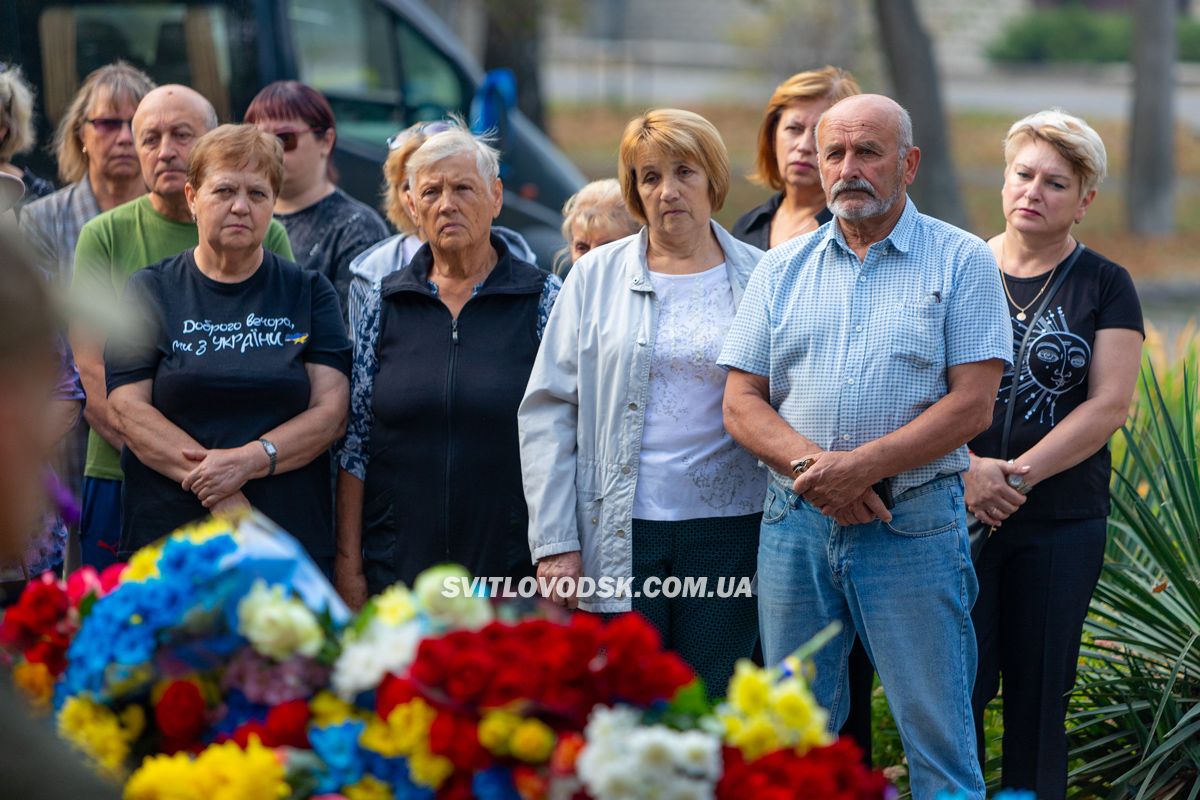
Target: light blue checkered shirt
855,351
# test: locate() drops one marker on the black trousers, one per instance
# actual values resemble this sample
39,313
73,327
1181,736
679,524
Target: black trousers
1036,581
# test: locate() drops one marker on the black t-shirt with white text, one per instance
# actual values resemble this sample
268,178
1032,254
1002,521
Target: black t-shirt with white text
228,364
1053,379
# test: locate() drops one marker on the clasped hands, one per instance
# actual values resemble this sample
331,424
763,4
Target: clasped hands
834,483
987,492
219,474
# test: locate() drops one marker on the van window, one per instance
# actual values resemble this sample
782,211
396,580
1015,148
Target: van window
378,73
195,44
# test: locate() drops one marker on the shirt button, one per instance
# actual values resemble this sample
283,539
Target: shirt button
621,532
595,520
850,381
862,279
858,328
637,281
845,437
633,406
625,470
641,342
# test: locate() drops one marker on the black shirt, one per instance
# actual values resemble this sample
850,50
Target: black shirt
329,234
444,478
1053,379
754,227
228,364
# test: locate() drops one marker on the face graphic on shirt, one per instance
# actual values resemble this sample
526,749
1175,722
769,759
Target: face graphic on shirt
1056,361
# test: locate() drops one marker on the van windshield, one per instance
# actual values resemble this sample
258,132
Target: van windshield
205,45
379,73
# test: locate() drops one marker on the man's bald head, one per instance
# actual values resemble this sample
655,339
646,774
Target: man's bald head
167,124
176,99
870,109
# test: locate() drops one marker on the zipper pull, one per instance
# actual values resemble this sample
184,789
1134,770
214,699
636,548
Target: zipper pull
454,331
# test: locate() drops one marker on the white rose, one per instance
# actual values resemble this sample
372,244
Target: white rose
278,627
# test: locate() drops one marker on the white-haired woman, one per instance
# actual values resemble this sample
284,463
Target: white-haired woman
430,469
1074,383
16,131
593,216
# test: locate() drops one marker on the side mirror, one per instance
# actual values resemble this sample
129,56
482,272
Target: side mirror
496,96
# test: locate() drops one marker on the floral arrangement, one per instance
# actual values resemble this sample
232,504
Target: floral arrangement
219,663
35,633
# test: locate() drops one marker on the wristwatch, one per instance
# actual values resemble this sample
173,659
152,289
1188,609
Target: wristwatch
1018,482
272,454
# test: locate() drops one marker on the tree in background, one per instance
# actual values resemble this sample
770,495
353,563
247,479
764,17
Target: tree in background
513,39
1150,197
917,86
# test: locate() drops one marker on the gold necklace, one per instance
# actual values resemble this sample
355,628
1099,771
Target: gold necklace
1004,281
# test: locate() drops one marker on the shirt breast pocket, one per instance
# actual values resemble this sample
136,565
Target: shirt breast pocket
918,333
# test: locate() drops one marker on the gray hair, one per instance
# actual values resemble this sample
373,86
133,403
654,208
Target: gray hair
16,112
456,141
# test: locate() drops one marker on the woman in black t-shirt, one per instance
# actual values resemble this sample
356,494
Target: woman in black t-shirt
1051,502
238,384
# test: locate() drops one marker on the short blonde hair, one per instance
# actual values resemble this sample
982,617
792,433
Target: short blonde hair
678,133
598,203
828,83
115,82
1074,139
16,113
395,176
237,146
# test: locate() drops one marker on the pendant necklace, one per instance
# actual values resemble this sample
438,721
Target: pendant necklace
1021,317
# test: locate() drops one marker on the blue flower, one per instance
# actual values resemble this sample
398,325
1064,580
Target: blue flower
495,783
337,745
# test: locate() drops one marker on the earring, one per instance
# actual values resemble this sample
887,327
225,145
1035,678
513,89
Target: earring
83,149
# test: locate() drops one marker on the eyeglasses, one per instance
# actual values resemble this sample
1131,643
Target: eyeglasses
291,139
107,126
424,129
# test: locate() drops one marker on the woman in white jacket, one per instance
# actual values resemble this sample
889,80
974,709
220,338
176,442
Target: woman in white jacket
630,477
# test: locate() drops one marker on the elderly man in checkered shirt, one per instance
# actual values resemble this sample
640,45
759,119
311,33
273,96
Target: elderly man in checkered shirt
863,358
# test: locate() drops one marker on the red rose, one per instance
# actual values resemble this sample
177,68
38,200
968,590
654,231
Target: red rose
458,787
44,603
468,675
243,732
181,712
50,652
392,692
456,737
287,724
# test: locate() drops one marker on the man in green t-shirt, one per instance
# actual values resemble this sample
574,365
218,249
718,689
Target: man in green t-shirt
112,246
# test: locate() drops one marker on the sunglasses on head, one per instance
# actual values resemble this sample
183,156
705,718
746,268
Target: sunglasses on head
291,139
107,126
425,129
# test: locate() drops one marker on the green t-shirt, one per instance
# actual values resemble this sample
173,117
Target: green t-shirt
114,245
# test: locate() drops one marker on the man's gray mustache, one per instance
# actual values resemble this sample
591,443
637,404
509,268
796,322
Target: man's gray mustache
858,185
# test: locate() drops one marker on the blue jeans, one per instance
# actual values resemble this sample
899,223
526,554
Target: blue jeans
100,521
906,589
